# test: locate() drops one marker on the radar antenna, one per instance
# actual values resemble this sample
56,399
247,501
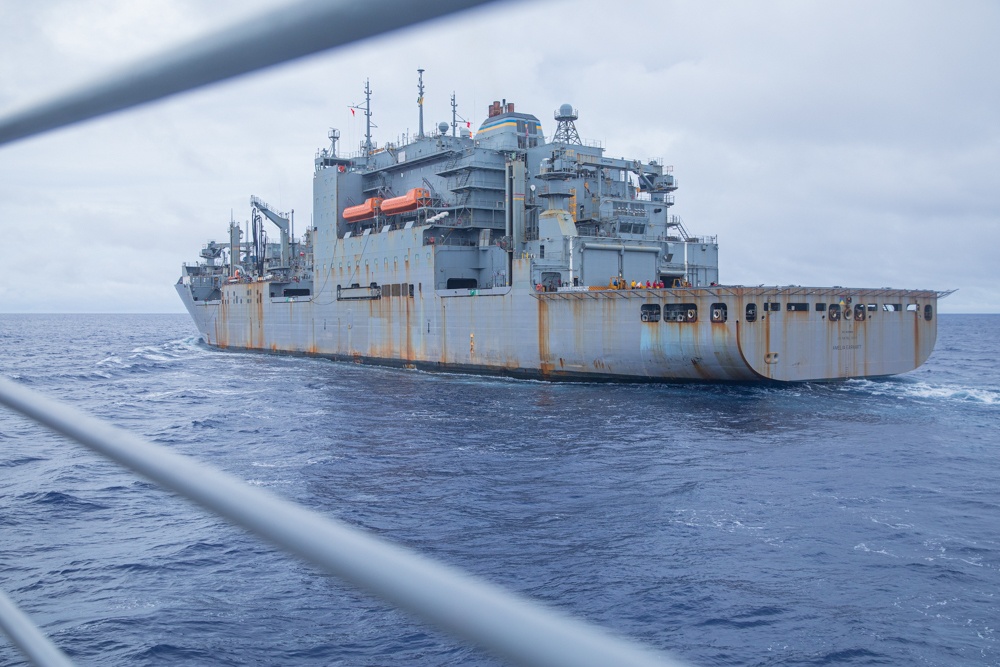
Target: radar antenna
566,131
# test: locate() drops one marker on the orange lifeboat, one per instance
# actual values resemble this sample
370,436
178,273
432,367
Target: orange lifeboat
411,201
363,211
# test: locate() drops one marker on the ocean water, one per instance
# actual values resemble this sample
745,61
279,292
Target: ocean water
855,523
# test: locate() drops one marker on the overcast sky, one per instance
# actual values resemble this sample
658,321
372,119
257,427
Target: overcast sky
851,143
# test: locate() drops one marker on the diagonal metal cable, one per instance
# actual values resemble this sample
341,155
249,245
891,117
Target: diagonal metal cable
506,624
28,638
285,34
469,608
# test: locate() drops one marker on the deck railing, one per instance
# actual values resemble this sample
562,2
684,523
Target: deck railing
508,625
464,606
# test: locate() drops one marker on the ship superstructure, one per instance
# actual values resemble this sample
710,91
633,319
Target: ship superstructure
503,252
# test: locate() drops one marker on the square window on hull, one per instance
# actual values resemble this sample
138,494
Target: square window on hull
680,312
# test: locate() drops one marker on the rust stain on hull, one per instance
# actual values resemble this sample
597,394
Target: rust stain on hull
586,334
544,354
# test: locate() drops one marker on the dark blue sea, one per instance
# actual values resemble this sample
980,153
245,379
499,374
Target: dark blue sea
855,523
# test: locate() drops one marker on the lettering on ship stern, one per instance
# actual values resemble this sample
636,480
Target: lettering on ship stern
846,341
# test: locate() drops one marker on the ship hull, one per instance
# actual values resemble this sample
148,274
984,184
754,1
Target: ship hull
716,334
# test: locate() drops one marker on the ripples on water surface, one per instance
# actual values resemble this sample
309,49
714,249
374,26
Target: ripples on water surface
855,523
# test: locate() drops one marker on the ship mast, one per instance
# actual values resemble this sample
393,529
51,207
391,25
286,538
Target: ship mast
454,114
420,101
566,131
367,108
368,120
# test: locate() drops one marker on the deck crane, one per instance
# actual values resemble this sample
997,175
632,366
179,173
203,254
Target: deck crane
284,224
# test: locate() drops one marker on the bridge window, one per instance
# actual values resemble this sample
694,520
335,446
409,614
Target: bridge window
859,312
798,307
892,307
773,306
834,313
928,312
820,307
719,312
680,312
462,283
650,312
751,312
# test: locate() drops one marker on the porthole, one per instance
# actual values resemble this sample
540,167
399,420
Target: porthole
649,312
720,313
680,312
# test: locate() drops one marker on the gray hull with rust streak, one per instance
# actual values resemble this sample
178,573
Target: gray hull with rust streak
587,335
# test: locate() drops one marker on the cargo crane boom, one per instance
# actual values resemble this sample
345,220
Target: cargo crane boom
283,222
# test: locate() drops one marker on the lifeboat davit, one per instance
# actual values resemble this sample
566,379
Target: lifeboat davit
411,201
363,211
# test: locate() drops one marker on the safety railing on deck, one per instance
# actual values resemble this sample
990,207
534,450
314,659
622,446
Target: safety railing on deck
466,607
508,625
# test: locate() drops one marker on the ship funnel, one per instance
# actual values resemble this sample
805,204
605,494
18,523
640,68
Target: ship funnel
498,108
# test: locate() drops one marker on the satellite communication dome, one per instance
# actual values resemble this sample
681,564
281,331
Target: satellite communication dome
566,112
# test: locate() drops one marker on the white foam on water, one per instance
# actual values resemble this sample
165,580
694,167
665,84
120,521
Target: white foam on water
905,388
954,393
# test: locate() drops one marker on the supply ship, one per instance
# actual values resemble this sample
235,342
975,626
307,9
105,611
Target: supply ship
502,252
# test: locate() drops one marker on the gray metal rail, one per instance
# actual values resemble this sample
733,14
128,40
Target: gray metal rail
508,625
23,633
286,34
